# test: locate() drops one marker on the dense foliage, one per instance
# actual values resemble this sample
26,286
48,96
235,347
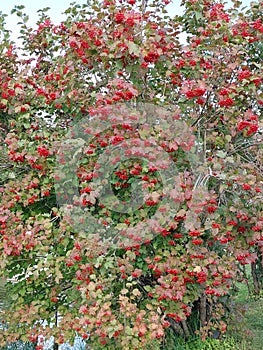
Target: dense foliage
115,76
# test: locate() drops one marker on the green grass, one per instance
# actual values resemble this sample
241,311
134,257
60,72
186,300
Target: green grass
248,320
226,343
245,328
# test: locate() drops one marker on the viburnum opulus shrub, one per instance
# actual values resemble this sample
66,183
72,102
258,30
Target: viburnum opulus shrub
104,56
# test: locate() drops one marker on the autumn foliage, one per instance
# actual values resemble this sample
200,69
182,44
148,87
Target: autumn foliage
206,90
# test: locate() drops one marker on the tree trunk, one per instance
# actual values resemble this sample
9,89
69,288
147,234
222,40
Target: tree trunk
255,278
185,328
203,309
175,326
55,347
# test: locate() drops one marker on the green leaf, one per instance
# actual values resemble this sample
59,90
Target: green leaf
133,48
45,9
198,15
221,154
